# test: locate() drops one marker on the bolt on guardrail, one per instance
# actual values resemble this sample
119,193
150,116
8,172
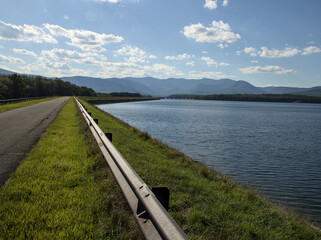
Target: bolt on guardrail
152,218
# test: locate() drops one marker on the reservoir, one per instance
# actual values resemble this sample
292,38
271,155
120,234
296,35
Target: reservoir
274,148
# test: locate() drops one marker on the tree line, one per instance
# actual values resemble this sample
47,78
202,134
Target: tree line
251,97
21,86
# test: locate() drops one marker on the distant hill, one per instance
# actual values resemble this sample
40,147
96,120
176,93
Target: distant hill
283,90
166,87
312,92
5,72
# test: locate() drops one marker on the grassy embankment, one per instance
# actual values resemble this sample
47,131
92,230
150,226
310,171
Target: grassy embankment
10,106
64,190
204,203
61,192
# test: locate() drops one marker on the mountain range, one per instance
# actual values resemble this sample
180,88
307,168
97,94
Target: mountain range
166,87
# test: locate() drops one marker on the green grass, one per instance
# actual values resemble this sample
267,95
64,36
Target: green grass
10,106
64,189
206,205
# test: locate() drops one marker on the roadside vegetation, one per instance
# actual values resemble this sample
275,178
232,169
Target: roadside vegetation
10,106
64,189
22,86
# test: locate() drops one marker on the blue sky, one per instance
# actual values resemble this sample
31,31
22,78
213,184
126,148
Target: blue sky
266,42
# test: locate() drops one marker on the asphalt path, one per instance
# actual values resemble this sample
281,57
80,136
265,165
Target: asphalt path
20,129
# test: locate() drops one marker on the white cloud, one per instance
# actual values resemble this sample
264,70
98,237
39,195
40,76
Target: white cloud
223,64
162,70
254,61
225,2
178,57
135,54
310,50
84,39
219,32
25,52
66,17
251,51
152,57
64,56
121,69
9,59
210,4
211,75
25,33
131,51
209,61
191,63
275,53
266,69
111,1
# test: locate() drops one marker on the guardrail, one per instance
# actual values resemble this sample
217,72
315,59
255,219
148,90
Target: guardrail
4,101
152,218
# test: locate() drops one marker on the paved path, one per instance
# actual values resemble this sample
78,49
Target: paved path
20,129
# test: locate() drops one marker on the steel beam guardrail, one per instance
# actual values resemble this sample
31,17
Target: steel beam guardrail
152,218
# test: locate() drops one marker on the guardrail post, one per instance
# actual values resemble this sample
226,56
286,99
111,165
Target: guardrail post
96,120
162,194
109,136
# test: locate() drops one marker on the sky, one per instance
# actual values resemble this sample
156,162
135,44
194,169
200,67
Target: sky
265,42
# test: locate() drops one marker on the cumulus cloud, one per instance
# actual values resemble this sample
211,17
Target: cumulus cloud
84,39
225,2
25,33
178,57
310,50
223,64
210,4
64,55
134,54
9,59
251,51
209,61
211,75
219,32
121,69
162,70
24,52
266,69
275,53
110,1
271,53
191,63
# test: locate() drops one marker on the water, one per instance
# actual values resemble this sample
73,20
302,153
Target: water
272,147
